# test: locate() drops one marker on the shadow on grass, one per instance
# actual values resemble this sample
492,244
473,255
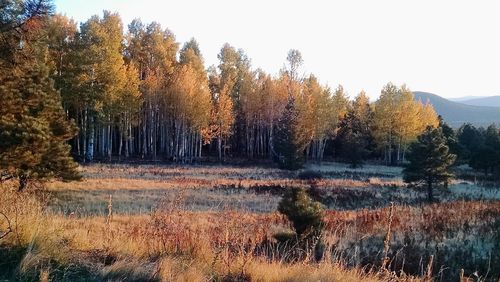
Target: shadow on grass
12,269
11,260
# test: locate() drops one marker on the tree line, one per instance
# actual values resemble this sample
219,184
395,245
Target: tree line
478,147
102,92
140,94
436,151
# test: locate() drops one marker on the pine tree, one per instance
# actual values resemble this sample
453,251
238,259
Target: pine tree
33,126
289,146
469,140
451,137
305,214
34,130
486,156
429,160
484,159
353,140
492,137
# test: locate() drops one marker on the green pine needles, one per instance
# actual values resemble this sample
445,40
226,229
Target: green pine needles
429,160
34,130
288,146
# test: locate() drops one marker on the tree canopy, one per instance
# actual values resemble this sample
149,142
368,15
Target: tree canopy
133,91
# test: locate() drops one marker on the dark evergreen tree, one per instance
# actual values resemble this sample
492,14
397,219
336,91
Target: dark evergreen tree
429,160
486,156
288,146
451,137
34,130
484,159
305,214
492,137
469,139
33,125
353,140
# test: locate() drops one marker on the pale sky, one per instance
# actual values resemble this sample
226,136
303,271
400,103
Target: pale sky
450,48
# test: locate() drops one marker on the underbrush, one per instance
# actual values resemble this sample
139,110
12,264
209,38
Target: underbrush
175,242
168,245
458,235
175,245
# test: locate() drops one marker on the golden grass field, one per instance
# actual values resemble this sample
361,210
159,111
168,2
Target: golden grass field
216,223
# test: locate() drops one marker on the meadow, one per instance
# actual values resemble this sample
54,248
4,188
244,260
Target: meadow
220,223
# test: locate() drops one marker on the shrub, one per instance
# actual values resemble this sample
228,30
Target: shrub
305,214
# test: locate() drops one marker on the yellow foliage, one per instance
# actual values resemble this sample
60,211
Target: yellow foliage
399,119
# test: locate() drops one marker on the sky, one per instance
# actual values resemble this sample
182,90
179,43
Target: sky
450,48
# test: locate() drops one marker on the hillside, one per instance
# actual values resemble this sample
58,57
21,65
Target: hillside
492,101
456,114
465,98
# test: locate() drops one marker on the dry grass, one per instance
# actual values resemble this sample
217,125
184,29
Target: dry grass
169,245
177,243
431,218
113,184
139,189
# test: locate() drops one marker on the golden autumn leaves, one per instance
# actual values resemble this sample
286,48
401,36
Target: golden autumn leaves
139,94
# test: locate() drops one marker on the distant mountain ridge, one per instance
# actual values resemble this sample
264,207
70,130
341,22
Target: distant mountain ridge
491,101
458,113
465,98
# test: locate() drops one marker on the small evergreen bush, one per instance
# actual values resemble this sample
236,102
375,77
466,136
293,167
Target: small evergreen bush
305,214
